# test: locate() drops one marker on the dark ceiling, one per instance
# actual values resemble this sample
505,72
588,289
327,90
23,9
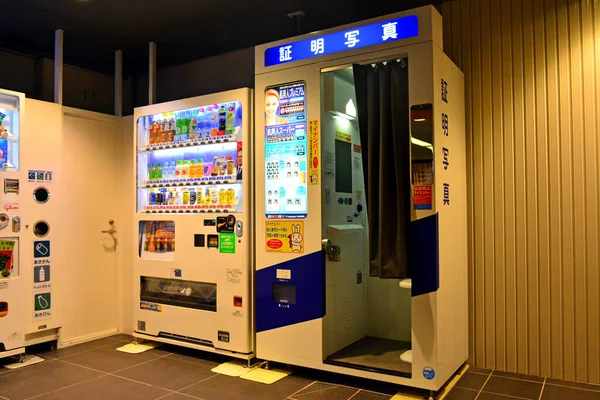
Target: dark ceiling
184,30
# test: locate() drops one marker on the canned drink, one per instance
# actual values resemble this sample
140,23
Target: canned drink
193,197
222,197
230,167
152,197
159,198
213,196
186,198
230,196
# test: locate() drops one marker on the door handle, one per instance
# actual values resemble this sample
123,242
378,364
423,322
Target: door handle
333,251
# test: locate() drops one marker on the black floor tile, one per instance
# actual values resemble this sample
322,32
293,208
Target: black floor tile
580,385
122,337
365,395
472,381
494,396
316,387
513,387
80,348
518,376
178,396
172,372
332,392
108,359
42,378
479,370
552,392
107,387
461,394
223,387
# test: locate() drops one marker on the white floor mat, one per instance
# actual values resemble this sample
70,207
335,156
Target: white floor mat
266,376
28,360
232,368
137,348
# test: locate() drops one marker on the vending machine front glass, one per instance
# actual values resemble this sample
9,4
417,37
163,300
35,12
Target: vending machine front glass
189,161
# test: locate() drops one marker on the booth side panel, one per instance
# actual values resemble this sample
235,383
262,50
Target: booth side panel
291,334
451,200
41,151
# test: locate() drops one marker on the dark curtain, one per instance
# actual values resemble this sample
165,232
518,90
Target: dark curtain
383,117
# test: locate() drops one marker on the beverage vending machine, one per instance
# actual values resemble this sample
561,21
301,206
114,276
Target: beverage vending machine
12,284
193,271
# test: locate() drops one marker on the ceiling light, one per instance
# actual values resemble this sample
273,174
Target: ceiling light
351,109
421,143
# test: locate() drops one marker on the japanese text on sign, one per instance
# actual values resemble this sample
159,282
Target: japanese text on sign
364,36
286,151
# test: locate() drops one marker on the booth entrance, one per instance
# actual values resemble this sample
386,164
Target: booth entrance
367,321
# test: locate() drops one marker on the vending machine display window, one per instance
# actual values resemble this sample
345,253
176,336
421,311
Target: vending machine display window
157,240
179,293
9,132
190,161
9,258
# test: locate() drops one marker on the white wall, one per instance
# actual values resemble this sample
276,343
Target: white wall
126,247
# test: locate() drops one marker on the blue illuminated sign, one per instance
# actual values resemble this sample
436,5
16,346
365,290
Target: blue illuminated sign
370,35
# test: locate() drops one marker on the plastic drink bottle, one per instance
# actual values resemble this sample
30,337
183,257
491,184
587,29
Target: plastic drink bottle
222,119
178,169
159,171
230,124
200,168
152,173
193,127
185,169
192,173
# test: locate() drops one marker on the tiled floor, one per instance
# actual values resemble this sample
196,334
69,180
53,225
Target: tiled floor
95,370
483,384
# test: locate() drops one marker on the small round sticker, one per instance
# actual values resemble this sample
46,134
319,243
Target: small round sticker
428,373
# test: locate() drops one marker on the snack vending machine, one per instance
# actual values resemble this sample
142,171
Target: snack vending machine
193,271
12,284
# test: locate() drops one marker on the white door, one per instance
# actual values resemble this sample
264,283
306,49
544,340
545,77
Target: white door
90,165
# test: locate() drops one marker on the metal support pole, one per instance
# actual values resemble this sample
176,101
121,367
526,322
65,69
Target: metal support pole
152,74
58,66
119,83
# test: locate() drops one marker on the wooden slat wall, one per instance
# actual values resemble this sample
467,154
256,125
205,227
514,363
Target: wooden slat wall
532,83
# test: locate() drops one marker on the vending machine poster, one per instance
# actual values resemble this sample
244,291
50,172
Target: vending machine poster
285,236
227,243
315,152
286,161
422,197
6,255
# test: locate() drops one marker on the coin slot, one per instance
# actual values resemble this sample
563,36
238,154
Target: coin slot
41,229
41,195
